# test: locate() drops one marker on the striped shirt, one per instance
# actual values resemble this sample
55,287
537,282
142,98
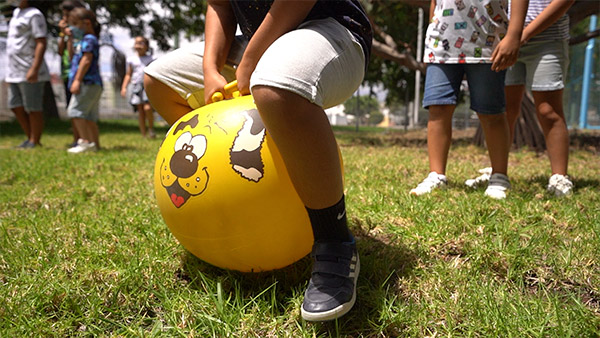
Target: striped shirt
557,31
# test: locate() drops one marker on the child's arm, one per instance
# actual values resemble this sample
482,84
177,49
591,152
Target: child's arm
555,10
432,9
62,44
38,58
126,80
219,32
82,68
284,16
507,51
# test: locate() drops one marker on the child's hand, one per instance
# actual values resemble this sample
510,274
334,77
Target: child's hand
75,87
123,92
212,84
32,75
506,53
242,74
62,24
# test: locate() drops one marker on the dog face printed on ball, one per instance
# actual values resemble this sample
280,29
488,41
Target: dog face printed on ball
185,168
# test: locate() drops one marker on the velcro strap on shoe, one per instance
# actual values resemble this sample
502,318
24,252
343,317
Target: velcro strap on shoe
332,249
333,268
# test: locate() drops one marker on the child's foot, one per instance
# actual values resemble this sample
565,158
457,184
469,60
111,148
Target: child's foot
432,181
151,134
331,291
497,186
74,144
26,145
481,179
82,146
560,185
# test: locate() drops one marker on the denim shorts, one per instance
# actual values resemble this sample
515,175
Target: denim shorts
542,66
85,105
27,95
486,87
320,61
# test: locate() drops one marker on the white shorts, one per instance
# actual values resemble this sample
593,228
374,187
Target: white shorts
542,66
320,61
85,105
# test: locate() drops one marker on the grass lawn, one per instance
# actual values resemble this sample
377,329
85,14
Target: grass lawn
84,250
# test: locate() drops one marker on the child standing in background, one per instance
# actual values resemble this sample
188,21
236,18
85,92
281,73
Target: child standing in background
27,70
542,68
85,81
66,45
472,38
135,77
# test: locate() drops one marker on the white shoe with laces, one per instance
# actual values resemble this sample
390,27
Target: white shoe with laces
497,186
82,146
480,180
431,182
559,185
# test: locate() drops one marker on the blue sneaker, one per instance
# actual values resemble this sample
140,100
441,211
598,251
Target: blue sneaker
23,145
331,291
26,145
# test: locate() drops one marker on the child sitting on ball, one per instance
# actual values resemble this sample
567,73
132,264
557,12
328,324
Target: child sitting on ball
301,57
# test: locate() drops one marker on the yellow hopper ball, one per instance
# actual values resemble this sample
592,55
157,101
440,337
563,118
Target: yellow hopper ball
224,192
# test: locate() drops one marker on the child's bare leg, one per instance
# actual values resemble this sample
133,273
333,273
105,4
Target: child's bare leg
94,132
82,128
170,105
141,119
514,98
439,136
149,115
76,135
36,122
306,142
497,133
23,120
549,108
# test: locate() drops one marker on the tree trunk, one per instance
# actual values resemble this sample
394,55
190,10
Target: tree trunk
527,129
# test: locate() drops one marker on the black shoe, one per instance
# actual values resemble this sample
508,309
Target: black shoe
331,291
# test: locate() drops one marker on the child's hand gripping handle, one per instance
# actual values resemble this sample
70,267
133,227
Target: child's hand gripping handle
230,88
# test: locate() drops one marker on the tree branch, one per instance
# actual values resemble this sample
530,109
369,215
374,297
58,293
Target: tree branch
388,53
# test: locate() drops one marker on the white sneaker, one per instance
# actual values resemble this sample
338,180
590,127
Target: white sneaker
497,186
480,180
559,185
82,146
432,181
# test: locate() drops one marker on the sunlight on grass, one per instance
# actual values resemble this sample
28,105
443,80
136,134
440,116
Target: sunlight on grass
85,252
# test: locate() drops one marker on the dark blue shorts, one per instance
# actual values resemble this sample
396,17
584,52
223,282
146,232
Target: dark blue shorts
486,87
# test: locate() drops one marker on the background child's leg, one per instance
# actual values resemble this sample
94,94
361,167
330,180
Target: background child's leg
141,118
23,120
82,128
92,127
439,136
514,98
36,122
495,128
150,117
549,108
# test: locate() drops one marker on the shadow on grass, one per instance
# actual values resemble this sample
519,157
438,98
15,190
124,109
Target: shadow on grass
382,266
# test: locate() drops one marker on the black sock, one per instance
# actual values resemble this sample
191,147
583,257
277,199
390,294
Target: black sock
329,224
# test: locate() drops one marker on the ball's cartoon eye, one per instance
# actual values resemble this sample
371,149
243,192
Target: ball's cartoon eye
195,144
198,144
183,140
